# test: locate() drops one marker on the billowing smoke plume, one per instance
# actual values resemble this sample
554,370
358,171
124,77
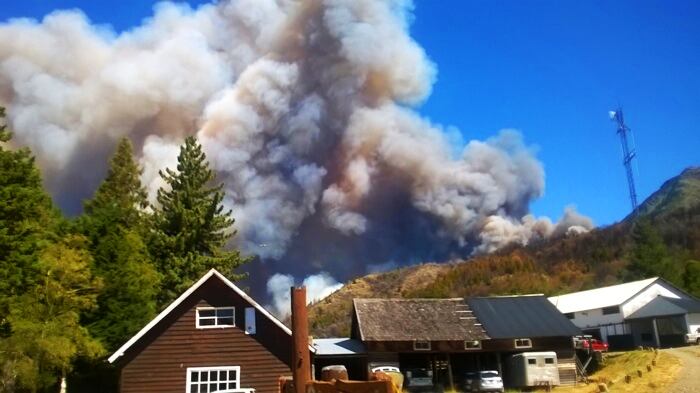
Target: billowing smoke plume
304,110
318,286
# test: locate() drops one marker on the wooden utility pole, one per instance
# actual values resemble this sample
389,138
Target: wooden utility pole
301,362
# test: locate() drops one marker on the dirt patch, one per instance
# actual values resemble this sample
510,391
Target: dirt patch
687,381
619,364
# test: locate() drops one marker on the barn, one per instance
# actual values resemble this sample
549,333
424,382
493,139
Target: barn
454,336
651,313
213,337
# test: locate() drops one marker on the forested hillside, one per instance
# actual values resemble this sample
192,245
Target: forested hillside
663,239
73,290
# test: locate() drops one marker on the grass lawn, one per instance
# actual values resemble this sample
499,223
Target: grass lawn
619,364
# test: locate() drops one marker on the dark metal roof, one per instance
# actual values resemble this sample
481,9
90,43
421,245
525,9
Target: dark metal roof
416,319
663,306
688,304
521,316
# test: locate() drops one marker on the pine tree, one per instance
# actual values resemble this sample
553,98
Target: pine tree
115,222
121,199
190,225
27,218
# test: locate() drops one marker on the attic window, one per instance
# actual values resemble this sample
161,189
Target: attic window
523,343
215,317
421,345
611,310
472,344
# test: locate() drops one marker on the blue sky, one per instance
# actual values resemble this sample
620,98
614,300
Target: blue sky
552,69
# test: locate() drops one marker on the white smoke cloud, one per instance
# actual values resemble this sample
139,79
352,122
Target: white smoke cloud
499,231
303,109
318,287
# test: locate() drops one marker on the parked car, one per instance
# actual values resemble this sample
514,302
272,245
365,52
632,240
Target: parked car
595,345
393,372
420,380
483,381
386,369
588,342
693,338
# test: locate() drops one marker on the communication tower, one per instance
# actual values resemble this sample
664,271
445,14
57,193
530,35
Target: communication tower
628,153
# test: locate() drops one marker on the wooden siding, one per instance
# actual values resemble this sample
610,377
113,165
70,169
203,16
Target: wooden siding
562,345
159,362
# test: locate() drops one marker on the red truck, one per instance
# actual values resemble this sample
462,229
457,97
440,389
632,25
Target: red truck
591,344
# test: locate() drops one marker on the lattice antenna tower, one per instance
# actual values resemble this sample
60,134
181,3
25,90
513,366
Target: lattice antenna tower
628,153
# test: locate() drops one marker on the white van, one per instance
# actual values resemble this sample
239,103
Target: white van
533,369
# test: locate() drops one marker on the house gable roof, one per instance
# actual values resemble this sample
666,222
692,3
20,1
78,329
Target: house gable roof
211,274
521,316
593,299
416,319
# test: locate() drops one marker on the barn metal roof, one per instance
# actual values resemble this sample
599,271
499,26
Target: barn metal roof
416,319
663,306
339,347
593,299
521,316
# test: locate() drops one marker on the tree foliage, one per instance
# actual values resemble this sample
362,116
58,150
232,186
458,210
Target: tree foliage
73,292
27,217
46,335
190,225
115,221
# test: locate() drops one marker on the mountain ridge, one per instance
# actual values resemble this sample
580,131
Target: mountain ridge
568,263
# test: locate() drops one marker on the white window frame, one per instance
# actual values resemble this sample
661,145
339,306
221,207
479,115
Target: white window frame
416,348
468,348
237,369
215,318
528,345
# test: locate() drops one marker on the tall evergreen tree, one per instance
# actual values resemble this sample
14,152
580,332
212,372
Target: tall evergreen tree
27,217
114,221
121,198
190,226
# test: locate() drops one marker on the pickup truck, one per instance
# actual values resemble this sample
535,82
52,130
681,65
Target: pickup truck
693,338
590,344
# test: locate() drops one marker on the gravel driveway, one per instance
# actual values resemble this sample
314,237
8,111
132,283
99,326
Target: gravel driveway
689,377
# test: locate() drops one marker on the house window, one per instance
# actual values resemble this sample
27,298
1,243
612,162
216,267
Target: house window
213,379
570,315
249,320
532,361
523,343
215,317
611,310
472,344
421,345
548,360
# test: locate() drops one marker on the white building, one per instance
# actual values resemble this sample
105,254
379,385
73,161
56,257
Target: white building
649,312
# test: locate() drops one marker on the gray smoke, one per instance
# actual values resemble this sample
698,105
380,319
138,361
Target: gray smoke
304,109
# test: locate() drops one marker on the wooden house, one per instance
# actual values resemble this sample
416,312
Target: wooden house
212,338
